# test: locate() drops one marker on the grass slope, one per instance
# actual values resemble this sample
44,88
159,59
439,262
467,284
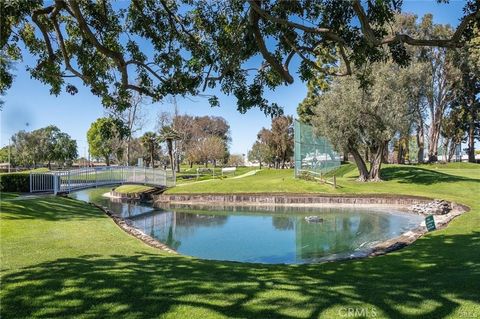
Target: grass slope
62,258
130,189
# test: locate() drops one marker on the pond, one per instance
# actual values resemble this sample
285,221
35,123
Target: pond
261,234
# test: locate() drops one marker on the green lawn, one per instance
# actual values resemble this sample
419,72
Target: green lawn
63,258
129,189
189,174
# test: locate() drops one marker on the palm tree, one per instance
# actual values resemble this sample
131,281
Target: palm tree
149,141
168,135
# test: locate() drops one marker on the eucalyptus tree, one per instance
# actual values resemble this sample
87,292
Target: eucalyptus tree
467,95
165,47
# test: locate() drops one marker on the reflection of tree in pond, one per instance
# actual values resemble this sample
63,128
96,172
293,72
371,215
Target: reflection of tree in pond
335,234
194,220
283,222
171,241
166,226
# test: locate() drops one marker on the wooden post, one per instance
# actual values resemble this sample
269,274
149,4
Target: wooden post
334,181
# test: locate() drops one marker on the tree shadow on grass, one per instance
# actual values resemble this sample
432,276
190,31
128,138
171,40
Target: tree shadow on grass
417,175
417,282
49,208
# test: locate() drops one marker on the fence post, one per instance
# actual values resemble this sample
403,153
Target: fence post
95,176
55,184
29,181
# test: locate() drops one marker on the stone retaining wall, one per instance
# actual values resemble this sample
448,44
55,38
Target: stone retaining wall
290,199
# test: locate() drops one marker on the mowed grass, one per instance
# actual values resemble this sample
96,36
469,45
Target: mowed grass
449,181
63,258
131,189
189,174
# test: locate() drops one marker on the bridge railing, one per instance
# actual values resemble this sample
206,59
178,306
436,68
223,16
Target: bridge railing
66,181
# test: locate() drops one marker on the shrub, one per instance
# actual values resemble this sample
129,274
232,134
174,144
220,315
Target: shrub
15,182
306,176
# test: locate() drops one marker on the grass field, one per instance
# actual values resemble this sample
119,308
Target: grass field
63,258
189,174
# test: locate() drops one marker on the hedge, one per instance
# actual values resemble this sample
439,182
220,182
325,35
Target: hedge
15,182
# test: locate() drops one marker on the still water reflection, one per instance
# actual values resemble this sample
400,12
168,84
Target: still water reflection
260,234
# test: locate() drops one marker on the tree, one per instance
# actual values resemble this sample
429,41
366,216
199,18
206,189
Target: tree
134,119
193,130
352,118
149,141
169,135
236,160
106,47
47,144
467,94
453,132
279,141
282,139
260,152
104,135
211,148
65,149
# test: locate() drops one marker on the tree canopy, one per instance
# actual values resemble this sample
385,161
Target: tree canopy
104,137
48,144
164,47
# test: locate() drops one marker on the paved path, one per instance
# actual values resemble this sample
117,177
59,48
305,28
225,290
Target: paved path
247,174
250,173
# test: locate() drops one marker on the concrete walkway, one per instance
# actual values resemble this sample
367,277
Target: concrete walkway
246,174
214,179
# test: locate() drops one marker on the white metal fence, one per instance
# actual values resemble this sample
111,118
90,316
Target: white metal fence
66,181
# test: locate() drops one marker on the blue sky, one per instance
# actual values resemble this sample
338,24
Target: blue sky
28,104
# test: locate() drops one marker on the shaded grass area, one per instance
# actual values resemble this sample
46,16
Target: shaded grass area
130,189
62,258
4,195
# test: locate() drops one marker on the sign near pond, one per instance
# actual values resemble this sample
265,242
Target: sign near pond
430,223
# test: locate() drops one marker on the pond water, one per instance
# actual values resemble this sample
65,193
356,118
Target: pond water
261,234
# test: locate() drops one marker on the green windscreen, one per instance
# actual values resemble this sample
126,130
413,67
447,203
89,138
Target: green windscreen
313,153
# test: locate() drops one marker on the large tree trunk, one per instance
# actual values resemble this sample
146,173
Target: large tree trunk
107,160
420,141
170,155
471,141
446,158
434,136
402,150
451,151
127,151
361,166
376,154
385,154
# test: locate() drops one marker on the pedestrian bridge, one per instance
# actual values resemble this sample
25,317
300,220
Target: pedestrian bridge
70,180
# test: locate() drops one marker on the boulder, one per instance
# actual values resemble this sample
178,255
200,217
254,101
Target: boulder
436,207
